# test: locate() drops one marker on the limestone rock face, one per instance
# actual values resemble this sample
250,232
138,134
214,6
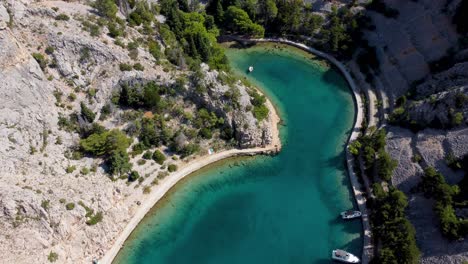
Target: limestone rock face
248,131
4,17
454,77
26,101
399,145
439,109
422,33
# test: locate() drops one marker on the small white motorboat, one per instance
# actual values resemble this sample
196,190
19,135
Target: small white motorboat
343,256
250,68
350,214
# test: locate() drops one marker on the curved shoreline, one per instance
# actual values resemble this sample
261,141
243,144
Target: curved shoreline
359,192
186,170
274,147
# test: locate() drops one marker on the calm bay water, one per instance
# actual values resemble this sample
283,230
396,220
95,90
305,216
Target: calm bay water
281,209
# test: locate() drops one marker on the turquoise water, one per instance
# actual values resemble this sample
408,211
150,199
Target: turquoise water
281,209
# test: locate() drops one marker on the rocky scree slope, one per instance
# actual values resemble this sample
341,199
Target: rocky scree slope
423,70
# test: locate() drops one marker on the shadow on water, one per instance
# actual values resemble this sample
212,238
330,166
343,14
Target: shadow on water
322,261
348,225
333,76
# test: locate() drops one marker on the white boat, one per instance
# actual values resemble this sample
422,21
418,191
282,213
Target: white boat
343,256
350,214
250,68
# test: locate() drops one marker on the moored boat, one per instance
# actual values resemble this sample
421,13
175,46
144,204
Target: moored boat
250,68
350,214
343,256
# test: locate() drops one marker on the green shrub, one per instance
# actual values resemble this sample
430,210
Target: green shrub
416,158
133,176
72,97
137,66
457,119
147,189
62,17
84,171
85,54
260,112
87,113
70,206
94,219
189,149
125,67
354,147
258,101
119,163
139,148
41,60
154,49
93,29
49,50
206,133
172,167
453,162
106,8
159,157
52,257
386,165
102,144
148,155
141,14
70,169
45,204
115,30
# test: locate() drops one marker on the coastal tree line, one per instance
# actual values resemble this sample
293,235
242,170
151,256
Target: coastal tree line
392,231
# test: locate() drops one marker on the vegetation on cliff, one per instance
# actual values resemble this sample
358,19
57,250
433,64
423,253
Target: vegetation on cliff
448,198
390,226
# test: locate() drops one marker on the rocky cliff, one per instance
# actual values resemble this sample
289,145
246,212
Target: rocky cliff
422,83
48,65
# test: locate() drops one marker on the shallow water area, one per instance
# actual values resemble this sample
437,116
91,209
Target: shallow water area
281,209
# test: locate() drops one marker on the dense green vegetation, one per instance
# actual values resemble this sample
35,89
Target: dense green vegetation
106,8
371,147
193,33
105,143
395,232
290,18
238,21
260,110
447,197
159,157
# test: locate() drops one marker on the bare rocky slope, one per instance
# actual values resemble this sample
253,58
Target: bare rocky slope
422,84
35,183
